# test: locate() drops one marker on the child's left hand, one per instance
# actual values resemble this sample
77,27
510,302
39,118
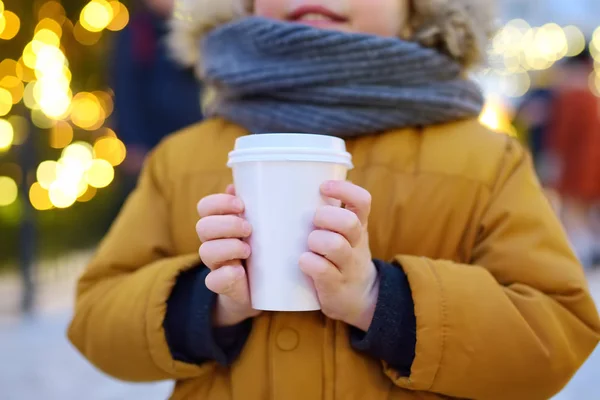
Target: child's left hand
339,261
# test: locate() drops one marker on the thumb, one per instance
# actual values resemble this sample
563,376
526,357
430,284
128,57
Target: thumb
230,190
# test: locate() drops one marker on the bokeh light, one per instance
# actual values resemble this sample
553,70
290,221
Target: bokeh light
76,175
67,27
595,52
120,16
519,49
106,102
575,40
62,194
596,38
542,47
41,79
2,23
88,194
28,73
69,183
52,10
84,36
8,67
6,134
61,135
29,56
15,86
67,74
51,92
519,24
19,70
527,48
39,197
50,60
68,179
555,45
51,25
28,95
8,191
506,38
100,174
86,111
107,132
96,15
82,187
6,102
79,153
9,25
110,149
46,173
55,105
40,119
43,39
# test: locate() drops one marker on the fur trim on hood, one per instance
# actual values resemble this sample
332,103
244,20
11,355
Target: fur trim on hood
459,28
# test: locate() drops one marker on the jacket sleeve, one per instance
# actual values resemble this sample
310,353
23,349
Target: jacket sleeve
392,335
518,321
189,330
122,295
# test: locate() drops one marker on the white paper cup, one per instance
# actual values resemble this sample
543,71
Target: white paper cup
278,177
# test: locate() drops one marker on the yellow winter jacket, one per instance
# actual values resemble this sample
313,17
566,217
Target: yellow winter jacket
501,303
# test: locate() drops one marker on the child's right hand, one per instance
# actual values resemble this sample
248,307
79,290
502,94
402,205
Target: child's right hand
221,230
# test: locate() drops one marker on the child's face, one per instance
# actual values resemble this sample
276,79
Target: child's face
376,17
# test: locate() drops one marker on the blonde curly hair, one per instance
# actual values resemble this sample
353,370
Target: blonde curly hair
459,28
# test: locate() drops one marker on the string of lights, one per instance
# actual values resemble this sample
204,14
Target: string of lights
41,80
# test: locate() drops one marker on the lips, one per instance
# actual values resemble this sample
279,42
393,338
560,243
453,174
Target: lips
315,14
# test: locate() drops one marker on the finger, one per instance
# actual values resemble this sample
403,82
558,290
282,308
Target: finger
222,227
339,220
230,190
215,253
356,199
326,277
230,281
333,246
220,204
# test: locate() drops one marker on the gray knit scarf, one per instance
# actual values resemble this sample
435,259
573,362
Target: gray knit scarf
272,76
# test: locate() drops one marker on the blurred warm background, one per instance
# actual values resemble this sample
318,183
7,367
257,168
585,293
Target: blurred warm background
87,88
57,147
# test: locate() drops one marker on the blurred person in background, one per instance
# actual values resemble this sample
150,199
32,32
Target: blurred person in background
573,151
154,95
532,120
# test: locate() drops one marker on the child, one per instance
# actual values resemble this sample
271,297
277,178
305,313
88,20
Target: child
461,284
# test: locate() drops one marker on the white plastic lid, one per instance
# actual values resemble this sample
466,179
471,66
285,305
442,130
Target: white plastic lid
290,147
